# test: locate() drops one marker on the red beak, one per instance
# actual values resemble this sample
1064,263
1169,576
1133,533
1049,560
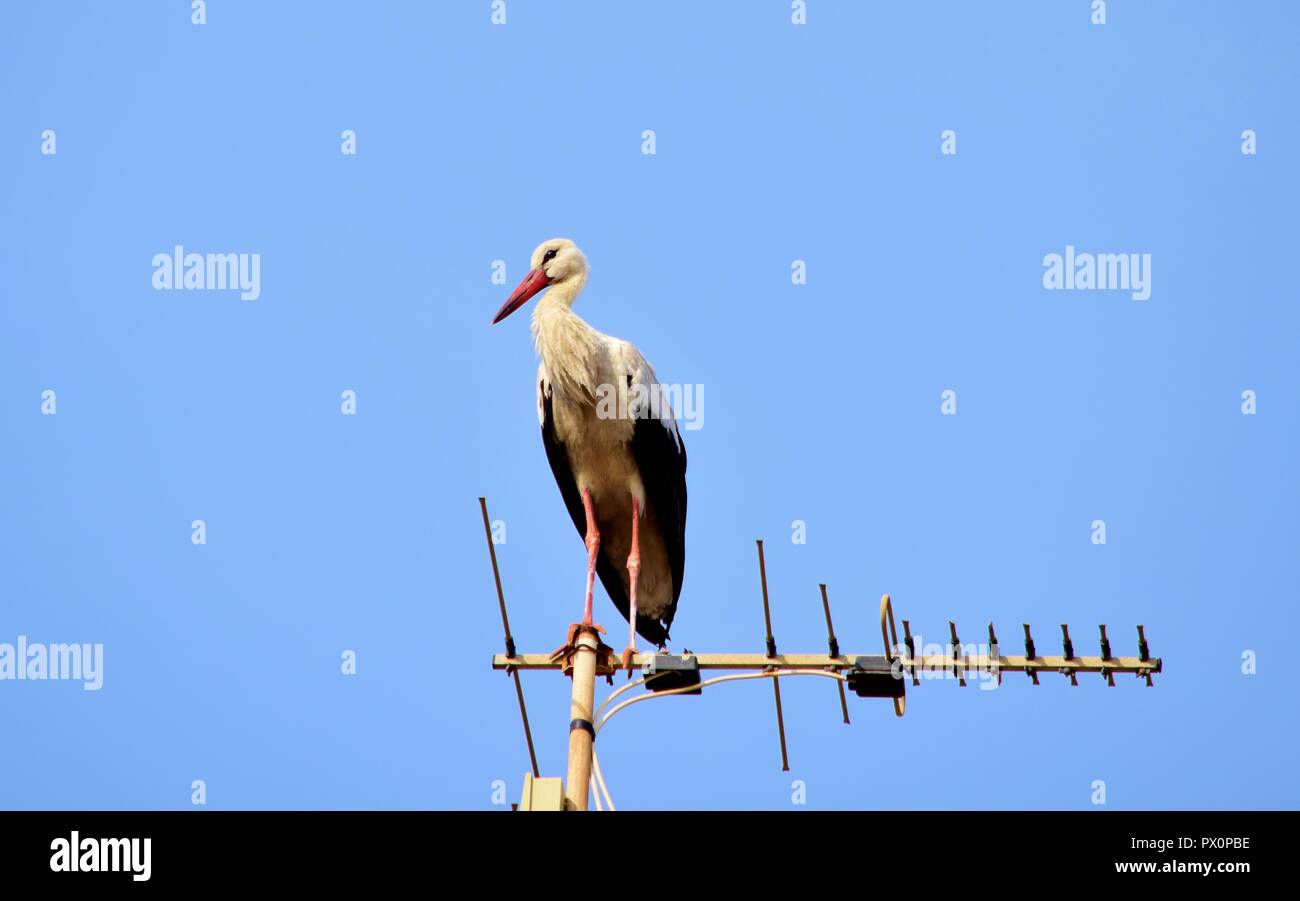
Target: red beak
532,283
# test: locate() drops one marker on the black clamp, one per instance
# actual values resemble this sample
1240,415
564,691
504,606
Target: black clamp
876,677
1030,654
669,672
956,655
995,654
911,650
1105,655
1069,653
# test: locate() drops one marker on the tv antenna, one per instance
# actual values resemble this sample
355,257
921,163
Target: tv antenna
584,656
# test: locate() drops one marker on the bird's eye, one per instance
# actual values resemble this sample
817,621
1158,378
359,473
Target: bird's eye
550,255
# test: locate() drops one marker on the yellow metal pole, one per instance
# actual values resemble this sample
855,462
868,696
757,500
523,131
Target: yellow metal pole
582,733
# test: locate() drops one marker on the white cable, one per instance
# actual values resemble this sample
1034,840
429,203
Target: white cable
598,779
618,691
735,677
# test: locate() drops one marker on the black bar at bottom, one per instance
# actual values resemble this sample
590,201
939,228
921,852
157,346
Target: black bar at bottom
477,849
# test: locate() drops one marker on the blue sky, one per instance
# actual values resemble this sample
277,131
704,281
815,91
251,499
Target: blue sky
774,143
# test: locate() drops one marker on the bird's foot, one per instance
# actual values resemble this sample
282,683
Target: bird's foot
604,653
571,637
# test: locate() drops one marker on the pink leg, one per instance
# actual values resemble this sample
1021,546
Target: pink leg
593,547
633,574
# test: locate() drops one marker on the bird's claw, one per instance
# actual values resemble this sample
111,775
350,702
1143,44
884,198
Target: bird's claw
571,638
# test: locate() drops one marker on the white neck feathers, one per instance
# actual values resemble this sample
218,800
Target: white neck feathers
570,348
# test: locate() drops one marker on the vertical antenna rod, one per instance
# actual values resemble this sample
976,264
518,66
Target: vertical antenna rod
1030,654
771,652
911,649
1144,651
833,645
510,641
1105,655
957,655
1068,647
994,651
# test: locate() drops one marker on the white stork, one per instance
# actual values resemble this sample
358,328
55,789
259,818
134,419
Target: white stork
613,445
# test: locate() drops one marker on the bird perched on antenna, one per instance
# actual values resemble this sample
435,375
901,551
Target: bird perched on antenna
613,445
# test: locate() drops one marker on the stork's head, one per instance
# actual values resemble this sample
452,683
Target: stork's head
557,264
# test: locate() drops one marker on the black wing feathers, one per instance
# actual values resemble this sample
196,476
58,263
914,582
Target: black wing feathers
661,458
